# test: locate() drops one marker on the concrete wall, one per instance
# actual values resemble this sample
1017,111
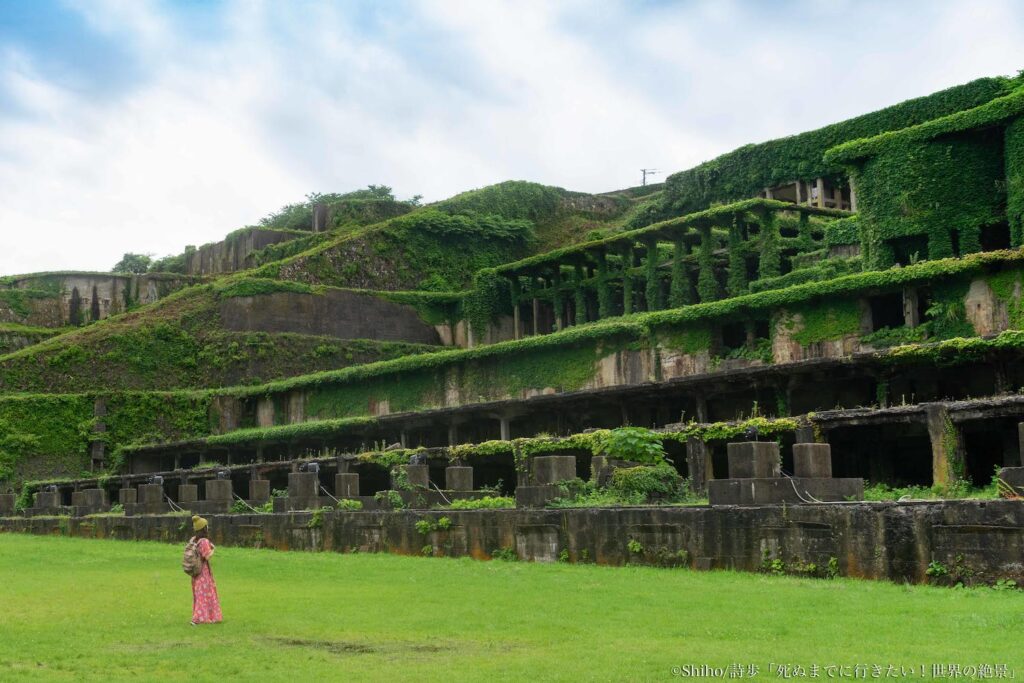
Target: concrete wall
336,313
112,294
233,254
980,541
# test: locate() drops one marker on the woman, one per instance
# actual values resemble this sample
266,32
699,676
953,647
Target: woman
205,604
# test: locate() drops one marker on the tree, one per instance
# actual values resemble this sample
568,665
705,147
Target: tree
133,263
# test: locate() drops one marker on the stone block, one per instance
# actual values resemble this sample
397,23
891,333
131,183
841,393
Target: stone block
754,460
218,489
1014,477
812,460
188,493
90,499
303,485
259,491
419,475
552,469
536,496
779,490
151,494
46,501
346,485
7,501
127,496
458,478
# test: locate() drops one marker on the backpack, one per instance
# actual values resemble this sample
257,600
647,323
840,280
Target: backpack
192,561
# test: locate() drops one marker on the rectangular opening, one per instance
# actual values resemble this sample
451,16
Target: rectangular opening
907,250
886,311
996,236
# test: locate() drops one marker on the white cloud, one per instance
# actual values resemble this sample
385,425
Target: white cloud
436,98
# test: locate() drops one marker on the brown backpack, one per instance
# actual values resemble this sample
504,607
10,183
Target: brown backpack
192,561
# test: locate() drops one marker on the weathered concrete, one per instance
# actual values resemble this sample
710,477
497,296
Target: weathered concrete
259,491
7,501
188,493
218,490
753,460
335,313
552,469
126,496
896,541
458,478
89,501
812,460
346,485
418,476
777,490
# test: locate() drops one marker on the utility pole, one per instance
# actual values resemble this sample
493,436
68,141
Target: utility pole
646,172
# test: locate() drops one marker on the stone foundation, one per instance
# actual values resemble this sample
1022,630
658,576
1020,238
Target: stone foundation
893,541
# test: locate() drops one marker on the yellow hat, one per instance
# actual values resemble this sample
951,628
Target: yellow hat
198,523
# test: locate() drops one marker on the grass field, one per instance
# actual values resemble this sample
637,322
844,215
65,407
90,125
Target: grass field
107,610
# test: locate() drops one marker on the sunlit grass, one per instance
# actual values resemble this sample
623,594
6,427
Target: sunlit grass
99,610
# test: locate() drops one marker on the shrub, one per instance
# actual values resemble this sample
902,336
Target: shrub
485,503
651,482
635,444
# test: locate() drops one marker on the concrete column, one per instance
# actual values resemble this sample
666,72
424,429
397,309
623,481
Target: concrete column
820,185
150,494
697,460
947,445
453,434
506,428
188,493
754,460
458,478
702,407
259,490
319,217
517,323
218,489
303,485
911,317
419,475
536,316
265,412
1020,443
346,485
46,500
127,495
552,469
853,195
799,185
7,501
812,460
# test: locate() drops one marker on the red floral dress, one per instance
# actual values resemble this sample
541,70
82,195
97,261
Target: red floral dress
205,604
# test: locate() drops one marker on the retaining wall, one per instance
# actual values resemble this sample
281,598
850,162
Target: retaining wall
974,541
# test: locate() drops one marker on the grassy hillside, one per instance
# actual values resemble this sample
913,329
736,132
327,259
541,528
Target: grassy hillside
179,342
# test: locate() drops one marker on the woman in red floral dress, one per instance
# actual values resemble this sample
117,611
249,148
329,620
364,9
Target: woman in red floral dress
205,604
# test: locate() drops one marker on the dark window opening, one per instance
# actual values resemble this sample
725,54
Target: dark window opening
995,236
734,336
907,250
988,445
751,263
886,311
785,265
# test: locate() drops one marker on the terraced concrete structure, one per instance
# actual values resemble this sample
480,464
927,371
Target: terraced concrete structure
858,286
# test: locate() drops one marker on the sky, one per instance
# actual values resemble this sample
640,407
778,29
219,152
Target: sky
144,125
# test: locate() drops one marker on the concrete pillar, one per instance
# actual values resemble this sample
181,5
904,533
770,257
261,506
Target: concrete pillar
754,460
458,478
46,500
218,489
552,469
536,316
1020,443
7,501
188,493
947,446
812,460
506,428
319,217
517,324
127,496
702,408
698,459
259,490
419,475
820,185
265,412
453,434
303,485
151,494
805,434
911,317
853,195
346,485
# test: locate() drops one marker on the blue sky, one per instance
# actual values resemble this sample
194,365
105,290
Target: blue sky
135,125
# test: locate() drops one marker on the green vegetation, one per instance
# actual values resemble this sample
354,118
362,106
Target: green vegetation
748,170
391,631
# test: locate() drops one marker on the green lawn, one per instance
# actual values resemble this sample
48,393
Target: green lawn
98,610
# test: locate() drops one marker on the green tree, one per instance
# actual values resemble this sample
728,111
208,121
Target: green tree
133,263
